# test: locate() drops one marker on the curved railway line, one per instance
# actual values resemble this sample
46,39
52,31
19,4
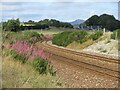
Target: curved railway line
102,58
84,60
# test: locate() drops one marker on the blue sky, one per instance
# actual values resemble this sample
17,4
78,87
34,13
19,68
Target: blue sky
63,11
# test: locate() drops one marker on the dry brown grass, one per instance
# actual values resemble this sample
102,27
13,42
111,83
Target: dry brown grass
79,46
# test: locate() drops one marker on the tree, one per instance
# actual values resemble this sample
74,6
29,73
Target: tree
13,25
106,21
30,21
93,21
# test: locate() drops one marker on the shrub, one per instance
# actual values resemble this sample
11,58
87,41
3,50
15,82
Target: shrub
40,65
96,35
67,37
82,36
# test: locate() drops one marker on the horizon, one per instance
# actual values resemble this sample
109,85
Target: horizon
54,19
62,11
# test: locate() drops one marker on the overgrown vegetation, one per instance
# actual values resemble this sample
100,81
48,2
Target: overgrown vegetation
96,35
29,36
67,37
21,46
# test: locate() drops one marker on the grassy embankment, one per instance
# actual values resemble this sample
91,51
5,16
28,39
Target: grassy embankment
17,74
78,39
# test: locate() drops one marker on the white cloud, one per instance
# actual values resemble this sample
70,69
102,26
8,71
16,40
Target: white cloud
61,11
10,7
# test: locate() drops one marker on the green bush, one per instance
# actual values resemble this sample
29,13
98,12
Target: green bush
18,57
40,65
96,36
67,37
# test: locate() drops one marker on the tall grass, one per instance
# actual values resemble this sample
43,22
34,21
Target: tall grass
17,75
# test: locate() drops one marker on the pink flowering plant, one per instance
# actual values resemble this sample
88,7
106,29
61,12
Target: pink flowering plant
21,46
23,51
28,50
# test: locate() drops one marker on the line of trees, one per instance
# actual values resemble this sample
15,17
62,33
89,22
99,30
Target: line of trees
55,23
15,25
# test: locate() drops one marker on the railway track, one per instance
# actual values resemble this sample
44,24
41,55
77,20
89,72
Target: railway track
78,59
102,58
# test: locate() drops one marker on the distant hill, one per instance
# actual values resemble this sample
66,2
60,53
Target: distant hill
109,22
76,22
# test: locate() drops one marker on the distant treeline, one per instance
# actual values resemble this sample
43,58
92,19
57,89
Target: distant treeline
46,23
15,25
55,23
